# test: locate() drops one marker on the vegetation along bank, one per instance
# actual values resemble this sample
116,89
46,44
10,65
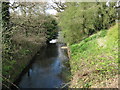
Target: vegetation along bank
91,33
90,30
25,32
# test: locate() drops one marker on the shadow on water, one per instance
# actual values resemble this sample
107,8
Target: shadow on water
45,71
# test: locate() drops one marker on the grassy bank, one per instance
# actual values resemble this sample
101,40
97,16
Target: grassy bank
94,61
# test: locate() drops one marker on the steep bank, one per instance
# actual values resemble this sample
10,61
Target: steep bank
94,61
46,71
25,49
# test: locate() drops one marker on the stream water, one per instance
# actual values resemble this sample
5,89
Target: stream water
46,70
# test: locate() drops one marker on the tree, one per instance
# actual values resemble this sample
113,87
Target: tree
5,14
28,21
79,20
51,27
58,6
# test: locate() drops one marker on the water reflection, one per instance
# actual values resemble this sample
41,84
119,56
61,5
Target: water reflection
44,72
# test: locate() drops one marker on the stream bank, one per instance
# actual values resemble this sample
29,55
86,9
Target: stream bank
48,69
94,61
25,51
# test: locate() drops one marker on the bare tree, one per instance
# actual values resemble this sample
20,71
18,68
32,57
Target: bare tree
58,6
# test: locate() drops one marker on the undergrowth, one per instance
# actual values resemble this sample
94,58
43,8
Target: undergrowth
95,59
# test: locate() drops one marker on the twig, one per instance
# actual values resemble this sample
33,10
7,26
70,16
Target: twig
6,86
65,85
10,82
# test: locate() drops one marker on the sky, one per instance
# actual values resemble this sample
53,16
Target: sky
51,11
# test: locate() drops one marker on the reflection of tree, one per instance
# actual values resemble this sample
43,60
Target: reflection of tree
51,53
45,63
29,72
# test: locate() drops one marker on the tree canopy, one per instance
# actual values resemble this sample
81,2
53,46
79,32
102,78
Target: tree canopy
82,19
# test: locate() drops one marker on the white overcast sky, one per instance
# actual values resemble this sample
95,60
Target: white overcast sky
49,10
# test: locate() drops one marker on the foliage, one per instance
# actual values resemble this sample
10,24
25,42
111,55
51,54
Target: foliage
97,54
52,28
25,30
79,20
39,24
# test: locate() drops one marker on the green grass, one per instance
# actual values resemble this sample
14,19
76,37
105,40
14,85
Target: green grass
97,56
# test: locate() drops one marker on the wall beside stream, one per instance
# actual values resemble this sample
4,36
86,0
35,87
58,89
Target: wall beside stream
24,51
